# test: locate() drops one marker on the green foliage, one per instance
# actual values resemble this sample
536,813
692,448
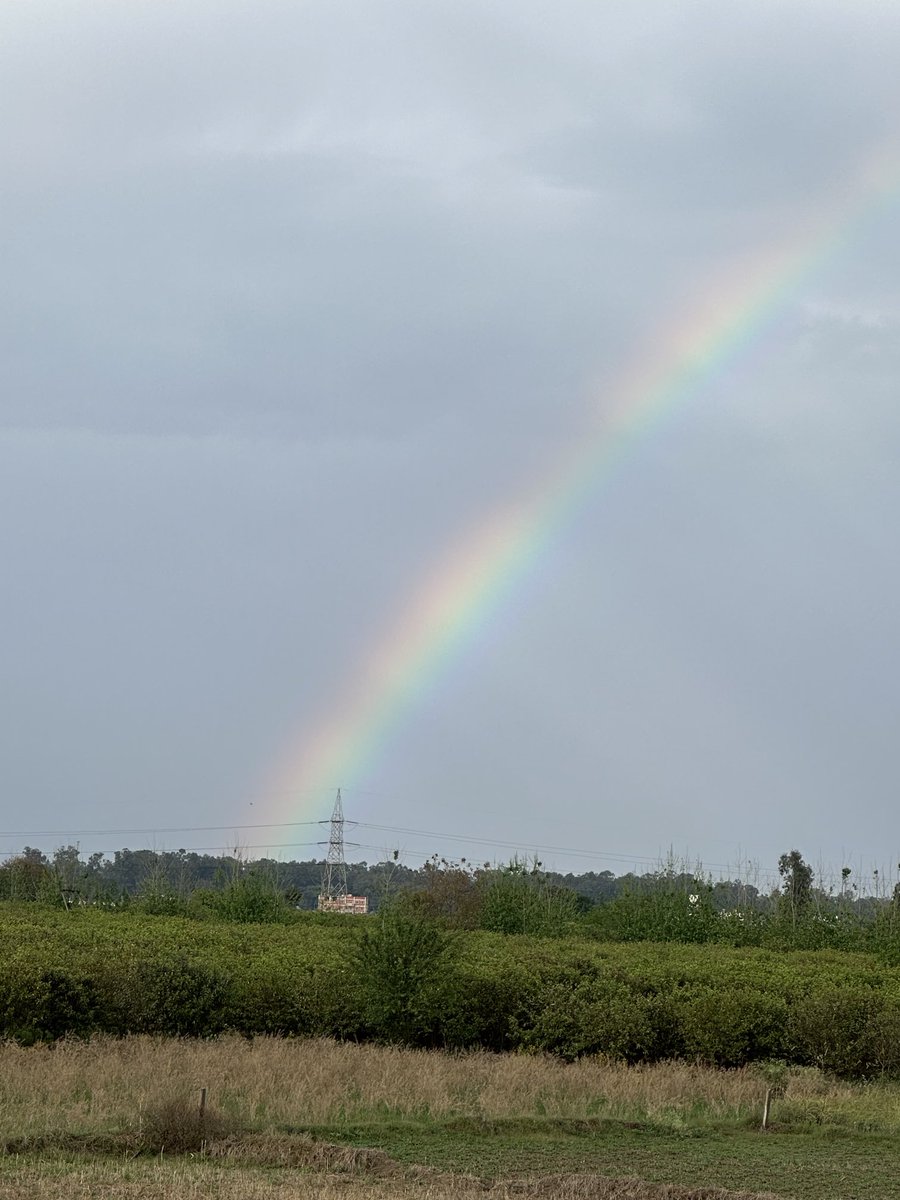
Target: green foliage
253,898
796,888
849,1030
451,892
519,898
671,904
303,999
478,1007
670,910
28,877
594,1014
396,977
727,1029
398,962
46,1005
178,998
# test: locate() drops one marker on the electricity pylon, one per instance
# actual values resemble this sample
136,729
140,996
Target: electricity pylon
334,877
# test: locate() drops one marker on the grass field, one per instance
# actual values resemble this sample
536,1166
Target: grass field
303,1118
62,1179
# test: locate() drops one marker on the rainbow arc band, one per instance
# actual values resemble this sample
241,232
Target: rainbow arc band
472,581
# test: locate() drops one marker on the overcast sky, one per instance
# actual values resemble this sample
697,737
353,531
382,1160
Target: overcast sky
294,294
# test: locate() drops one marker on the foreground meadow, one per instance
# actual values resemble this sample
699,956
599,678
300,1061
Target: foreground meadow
290,1117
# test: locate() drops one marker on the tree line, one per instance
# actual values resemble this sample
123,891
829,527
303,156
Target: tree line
668,904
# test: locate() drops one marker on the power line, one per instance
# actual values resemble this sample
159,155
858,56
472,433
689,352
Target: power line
456,837
616,857
232,848
508,845
42,833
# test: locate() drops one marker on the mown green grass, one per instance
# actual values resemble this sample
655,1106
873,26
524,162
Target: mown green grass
795,1166
790,1166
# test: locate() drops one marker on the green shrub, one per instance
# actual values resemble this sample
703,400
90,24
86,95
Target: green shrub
730,1028
397,978
178,998
664,913
29,877
850,1031
306,1000
519,899
479,1008
251,899
46,1006
398,964
882,1038
589,1013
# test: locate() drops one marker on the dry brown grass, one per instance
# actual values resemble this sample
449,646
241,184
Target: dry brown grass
177,1126
270,1081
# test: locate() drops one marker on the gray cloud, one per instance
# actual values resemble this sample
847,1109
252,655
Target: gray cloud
293,295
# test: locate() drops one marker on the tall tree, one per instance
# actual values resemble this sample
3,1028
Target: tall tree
796,887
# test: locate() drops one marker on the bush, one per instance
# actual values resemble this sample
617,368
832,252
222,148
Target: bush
604,1019
178,998
176,1126
728,1029
398,964
307,1001
252,899
848,1031
30,878
882,1040
520,899
479,1008
668,912
452,893
50,1005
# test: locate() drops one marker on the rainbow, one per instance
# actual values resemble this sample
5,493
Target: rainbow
476,576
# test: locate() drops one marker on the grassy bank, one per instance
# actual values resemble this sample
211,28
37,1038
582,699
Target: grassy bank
106,1084
319,1118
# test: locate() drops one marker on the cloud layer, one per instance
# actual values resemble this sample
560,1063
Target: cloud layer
296,294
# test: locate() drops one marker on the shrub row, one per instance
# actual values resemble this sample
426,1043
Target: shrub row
394,979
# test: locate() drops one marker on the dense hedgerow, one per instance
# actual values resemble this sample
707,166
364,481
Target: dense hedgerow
396,978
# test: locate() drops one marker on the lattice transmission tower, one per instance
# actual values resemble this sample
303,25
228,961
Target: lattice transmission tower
334,877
